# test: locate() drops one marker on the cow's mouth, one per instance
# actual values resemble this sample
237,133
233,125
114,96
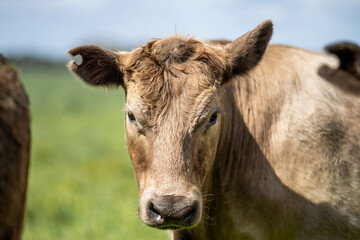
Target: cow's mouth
170,227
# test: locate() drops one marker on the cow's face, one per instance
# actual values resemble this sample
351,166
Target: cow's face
173,114
172,151
172,120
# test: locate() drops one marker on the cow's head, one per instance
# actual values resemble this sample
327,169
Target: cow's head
172,113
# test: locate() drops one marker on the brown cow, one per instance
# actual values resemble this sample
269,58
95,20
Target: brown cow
236,140
14,152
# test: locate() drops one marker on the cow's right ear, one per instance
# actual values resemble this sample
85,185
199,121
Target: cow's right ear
96,66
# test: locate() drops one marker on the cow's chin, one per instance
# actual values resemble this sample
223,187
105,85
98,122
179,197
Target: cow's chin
170,212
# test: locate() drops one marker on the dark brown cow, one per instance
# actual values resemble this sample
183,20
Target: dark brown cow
14,152
236,140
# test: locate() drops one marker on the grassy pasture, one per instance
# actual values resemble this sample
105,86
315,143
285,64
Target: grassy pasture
81,183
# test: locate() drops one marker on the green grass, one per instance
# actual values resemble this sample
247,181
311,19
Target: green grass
81,183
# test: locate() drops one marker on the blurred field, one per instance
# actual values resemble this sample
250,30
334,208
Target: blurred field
81,183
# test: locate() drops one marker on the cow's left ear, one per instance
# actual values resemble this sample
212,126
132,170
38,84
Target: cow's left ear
97,66
246,51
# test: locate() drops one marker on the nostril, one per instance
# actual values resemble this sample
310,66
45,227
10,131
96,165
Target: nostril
155,213
190,215
153,209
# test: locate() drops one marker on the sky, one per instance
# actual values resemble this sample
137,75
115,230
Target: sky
48,28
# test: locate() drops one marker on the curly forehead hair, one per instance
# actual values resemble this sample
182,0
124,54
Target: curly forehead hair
177,55
162,68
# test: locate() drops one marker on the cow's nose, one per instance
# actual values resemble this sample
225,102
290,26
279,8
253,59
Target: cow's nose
173,212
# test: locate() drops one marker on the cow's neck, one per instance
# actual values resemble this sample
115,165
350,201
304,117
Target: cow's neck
243,176
250,107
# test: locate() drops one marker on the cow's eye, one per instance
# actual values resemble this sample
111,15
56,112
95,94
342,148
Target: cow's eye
213,118
131,117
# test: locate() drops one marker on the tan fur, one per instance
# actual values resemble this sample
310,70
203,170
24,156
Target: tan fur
281,162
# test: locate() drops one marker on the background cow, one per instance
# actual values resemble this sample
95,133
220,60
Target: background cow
347,75
236,140
14,152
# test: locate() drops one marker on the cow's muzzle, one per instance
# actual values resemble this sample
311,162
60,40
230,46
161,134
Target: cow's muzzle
172,212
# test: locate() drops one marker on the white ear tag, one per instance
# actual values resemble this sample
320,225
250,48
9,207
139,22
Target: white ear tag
78,59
